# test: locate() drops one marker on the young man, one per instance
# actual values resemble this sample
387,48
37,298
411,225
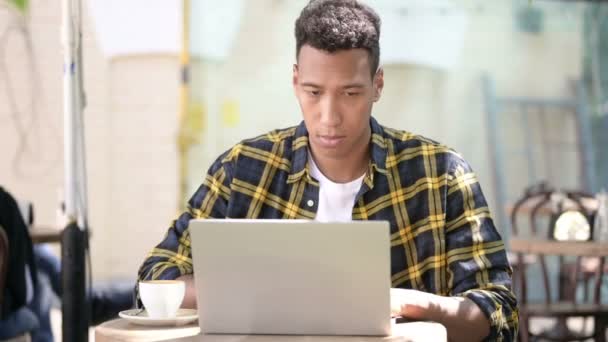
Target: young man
448,261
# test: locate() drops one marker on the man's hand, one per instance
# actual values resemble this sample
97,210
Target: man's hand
190,295
462,318
413,304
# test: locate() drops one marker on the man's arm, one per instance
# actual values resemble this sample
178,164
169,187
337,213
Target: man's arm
172,258
190,296
479,302
477,261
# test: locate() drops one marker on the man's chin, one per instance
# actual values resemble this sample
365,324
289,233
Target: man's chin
331,153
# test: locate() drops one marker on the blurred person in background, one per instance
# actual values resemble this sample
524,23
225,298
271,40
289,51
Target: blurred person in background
33,281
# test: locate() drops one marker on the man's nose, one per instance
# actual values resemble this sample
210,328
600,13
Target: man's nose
330,114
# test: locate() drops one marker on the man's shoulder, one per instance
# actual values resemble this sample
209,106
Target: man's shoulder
407,145
272,137
405,140
277,142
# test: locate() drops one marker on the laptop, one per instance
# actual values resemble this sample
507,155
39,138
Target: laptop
292,277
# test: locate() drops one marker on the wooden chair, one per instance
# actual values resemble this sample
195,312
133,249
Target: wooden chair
535,203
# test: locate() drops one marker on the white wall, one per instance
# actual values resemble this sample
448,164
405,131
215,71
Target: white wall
130,127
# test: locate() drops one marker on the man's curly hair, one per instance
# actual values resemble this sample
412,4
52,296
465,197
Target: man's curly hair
334,25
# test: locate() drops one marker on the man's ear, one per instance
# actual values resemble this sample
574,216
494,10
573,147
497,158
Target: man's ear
294,77
378,83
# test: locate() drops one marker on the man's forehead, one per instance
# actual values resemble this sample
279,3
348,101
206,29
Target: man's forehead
350,66
350,58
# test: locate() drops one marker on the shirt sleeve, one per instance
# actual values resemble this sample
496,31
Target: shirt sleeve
477,262
172,257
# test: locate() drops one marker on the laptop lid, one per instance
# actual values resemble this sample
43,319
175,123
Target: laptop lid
292,277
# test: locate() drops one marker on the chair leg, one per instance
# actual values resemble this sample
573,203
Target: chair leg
599,328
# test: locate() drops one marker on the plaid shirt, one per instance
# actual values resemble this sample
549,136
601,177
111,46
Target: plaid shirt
443,239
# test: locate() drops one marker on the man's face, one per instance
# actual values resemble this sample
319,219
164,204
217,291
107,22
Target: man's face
336,92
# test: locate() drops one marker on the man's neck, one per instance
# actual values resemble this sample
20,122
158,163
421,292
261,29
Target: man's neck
344,170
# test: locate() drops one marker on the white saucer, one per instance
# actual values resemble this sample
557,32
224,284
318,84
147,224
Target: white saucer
136,316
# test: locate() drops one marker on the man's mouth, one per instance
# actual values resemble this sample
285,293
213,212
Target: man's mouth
331,140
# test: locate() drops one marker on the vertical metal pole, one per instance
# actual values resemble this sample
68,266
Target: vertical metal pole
74,303
68,41
529,144
496,155
585,141
74,240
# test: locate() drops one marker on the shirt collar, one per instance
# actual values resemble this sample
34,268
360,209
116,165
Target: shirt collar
300,148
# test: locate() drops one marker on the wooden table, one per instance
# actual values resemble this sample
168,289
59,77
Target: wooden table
566,304
121,330
551,247
41,234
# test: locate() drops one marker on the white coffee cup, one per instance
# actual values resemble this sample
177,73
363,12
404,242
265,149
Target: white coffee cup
162,298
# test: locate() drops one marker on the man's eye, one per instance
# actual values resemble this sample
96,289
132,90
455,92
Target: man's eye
314,92
352,93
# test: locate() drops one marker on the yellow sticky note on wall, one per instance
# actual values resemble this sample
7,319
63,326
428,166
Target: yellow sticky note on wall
230,113
196,117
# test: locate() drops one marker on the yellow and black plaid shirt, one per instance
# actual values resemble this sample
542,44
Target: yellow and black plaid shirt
443,239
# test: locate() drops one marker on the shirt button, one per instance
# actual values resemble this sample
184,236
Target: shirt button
310,203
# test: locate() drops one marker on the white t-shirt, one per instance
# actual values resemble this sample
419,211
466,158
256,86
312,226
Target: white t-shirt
336,200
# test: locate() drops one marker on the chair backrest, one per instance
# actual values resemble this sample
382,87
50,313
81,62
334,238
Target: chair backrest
3,261
540,203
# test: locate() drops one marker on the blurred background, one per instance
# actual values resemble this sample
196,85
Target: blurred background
518,87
